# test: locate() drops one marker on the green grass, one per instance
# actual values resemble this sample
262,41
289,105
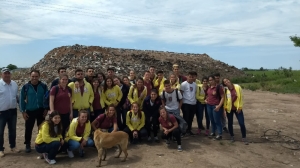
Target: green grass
280,81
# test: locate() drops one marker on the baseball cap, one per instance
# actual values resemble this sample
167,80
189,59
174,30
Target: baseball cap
5,70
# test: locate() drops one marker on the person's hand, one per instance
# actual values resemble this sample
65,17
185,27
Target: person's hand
217,108
45,113
238,111
71,116
62,142
83,143
25,116
224,114
135,134
166,132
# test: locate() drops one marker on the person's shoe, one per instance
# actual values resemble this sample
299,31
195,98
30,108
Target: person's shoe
51,162
179,149
191,133
45,156
28,148
167,142
198,131
225,129
156,139
149,139
15,150
245,141
212,135
218,137
206,133
2,154
232,139
70,154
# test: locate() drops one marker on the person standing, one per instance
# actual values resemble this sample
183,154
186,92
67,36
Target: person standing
31,105
8,110
189,107
60,71
181,78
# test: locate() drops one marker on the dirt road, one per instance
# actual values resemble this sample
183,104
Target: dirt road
263,110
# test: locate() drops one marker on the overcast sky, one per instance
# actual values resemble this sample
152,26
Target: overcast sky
243,33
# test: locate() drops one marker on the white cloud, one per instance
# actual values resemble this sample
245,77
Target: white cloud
234,22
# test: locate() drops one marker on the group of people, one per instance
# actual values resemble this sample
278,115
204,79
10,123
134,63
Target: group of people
72,109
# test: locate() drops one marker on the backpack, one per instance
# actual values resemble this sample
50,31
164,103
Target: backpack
164,95
181,123
47,96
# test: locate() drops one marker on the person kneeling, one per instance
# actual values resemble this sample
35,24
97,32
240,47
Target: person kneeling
135,121
170,127
49,139
107,122
78,134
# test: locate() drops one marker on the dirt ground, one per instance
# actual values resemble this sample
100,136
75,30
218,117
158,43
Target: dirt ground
263,110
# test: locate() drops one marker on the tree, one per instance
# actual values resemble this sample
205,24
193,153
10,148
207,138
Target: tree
296,40
11,67
261,68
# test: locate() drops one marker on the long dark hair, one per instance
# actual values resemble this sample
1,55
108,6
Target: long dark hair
105,85
52,132
96,79
139,110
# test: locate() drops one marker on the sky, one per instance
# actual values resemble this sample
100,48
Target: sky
242,33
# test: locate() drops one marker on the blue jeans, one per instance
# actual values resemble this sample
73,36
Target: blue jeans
50,148
175,112
73,145
240,118
9,117
215,118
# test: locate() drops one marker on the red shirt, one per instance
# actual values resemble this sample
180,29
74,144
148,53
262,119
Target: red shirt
96,102
168,124
61,99
149,87
182,78
106,123
81,89
80,130
212,97
233,97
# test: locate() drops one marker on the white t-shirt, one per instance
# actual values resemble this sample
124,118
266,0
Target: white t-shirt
171,100
189,93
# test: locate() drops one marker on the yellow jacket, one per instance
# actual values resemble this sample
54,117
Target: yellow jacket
112,96
101,99
239,101
44,136
134,122
71,134
133,96
176,85
161,85
84,101
200,94
198,82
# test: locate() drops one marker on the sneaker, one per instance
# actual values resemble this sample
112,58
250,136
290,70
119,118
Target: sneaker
51,162
225,129
156,139
70,154
14,150
149,138
2,154
28,148
232,139
168,142
198,131
206,133
218,137
179,149
212,134
191,133
245,141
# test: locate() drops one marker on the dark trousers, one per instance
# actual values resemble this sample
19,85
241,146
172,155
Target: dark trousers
199,114
37,115
8,117
120,118
97,113
240,118
141,133
151,124
175,133
124,113
50,148
189,111
65,121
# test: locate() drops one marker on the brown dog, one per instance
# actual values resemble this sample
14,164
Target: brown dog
105,140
